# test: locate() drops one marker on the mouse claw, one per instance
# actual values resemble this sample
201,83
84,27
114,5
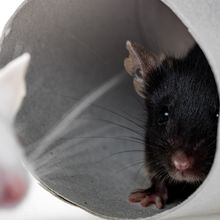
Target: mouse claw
152,199
148,197
137,197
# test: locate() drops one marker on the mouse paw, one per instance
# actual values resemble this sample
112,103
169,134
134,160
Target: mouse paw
150,196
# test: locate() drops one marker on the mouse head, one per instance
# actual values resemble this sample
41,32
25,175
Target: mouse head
182,106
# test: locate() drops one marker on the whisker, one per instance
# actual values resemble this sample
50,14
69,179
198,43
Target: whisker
127,151
134,131
120,115
131,166
139,170
113,123
106,109
70,143
122,138
74,113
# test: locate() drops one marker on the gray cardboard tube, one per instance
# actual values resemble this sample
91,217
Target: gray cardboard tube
77,77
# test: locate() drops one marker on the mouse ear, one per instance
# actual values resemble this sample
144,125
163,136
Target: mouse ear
12,86
140,64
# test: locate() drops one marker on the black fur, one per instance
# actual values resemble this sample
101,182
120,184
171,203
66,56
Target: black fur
187,91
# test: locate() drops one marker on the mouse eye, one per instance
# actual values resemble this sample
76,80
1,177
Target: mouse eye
217,113
164,115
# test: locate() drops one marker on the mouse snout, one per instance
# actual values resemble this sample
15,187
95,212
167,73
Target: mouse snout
13,187
181,161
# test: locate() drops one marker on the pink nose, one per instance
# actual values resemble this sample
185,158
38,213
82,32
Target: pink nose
12,190
181,162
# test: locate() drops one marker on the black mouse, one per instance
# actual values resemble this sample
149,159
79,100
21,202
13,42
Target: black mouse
182,110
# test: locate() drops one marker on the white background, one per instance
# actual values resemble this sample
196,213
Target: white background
38,204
